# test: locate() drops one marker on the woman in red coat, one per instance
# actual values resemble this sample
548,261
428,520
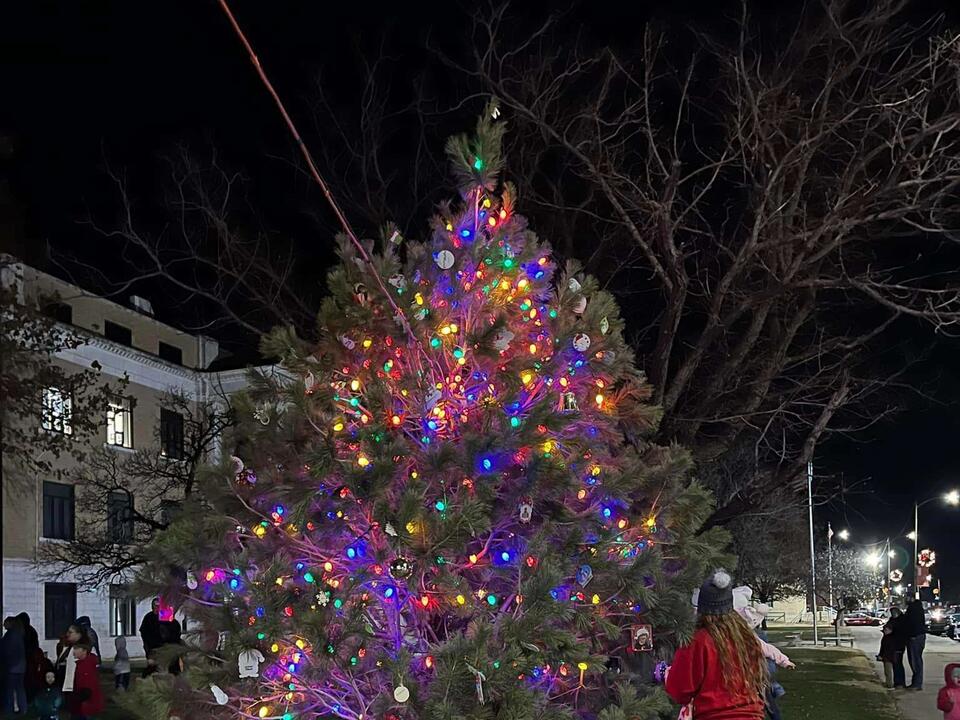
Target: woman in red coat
86,700
722,672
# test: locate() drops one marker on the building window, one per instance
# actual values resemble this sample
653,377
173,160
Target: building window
56,411
120,517
57,511
123,612
61,312
170,353
169,509
171,434
120,422
117,333
59,608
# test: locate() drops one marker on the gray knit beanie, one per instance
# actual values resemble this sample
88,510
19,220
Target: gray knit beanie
716,594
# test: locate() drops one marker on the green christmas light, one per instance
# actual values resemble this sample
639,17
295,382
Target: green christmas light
260,636
477,163
440,505
515,422
308,577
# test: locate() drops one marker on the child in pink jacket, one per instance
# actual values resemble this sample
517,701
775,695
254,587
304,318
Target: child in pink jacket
948,699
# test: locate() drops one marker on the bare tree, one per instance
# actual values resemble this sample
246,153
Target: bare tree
781,206
124,500
776,201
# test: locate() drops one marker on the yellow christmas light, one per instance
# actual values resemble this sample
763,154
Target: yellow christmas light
355,385
461,600
363,461
337,426
367,343
595,599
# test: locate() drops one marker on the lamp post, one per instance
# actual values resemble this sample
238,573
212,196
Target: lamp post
951,498
813,556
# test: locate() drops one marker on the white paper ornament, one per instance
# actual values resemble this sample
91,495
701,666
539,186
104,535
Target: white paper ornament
526,510
396,238
360,294
248,663
580,306
398,281
192,583
501,341
574,285
309,382
390,530
444,259
400,693
604,326
262,413
219,695
568,403
323,597
236,464
433,397
347,342
608,357
581,342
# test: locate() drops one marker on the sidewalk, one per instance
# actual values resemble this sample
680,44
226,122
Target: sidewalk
939,651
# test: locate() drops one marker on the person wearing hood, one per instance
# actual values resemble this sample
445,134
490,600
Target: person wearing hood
722,672
49,700
121,664
14,668
94,639
36,661
916,625
948,699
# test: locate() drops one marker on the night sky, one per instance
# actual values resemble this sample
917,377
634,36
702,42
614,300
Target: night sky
126,82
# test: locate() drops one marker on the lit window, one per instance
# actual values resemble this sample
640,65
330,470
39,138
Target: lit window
120,422
56,411
123,612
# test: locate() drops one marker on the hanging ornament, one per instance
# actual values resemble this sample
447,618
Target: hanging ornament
346,342
574,285
400,693
262,413
249,663
421,313
609,357
613,665
580,306
642,638
433,397
581,342
568,403
604,326
192,583
501,341
221,640
360,294
398,318
219,695
896,575
309,382
390,530
526,510
479,677
396,238
322,598
927,558
236,464
398,281
444,259
584,575
495,113
401,568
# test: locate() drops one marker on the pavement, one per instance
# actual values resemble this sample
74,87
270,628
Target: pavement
939,651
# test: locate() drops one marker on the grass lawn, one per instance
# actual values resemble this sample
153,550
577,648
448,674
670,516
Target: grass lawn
834,683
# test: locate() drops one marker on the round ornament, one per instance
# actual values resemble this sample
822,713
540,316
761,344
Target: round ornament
400,693
581,342
401,568
236,464
444,259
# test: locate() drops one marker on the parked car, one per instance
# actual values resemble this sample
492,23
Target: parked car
953,626
859,618
937,621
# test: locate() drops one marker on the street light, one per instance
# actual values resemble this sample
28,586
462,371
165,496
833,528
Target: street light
844,534
950,498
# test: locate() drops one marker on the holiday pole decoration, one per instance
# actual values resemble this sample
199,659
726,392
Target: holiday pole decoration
448,524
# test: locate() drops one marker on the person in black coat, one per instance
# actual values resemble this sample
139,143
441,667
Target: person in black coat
150,630
894,644
36,660
916,623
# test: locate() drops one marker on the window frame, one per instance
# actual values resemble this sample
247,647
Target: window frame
161,353
70,520
52,630
122,329
122,600
167,438
56,411
120,529
125,405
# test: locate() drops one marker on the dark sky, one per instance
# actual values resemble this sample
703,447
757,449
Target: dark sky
125,81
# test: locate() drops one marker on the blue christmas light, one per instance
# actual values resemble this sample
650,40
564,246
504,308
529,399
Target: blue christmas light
388,593
260,612
607,512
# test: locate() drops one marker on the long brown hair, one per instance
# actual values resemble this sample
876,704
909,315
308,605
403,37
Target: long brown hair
739,650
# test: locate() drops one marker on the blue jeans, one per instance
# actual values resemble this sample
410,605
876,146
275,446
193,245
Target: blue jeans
14,691
915,647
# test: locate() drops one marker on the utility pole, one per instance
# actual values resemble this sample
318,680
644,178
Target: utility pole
830,561
813,556
914,565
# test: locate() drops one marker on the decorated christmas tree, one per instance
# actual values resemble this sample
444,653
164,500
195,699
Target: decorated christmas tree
446,506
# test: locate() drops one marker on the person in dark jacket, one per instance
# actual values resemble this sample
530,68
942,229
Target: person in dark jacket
84,622
49,700
917,631
150,629
897,645
14,668
36,661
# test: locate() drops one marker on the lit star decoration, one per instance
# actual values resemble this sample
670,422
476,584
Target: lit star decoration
460,510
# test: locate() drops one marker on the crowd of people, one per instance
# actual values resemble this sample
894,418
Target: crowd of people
32,682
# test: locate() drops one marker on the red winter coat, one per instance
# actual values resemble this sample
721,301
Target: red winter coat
696,675
948,699
86,698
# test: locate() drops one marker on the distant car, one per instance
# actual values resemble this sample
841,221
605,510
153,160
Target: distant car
937,621
953,626
859,618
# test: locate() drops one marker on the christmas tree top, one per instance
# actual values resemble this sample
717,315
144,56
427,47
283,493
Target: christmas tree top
439,515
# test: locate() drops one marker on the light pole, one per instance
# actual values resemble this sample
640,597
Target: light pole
951,498
813,556
843,535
